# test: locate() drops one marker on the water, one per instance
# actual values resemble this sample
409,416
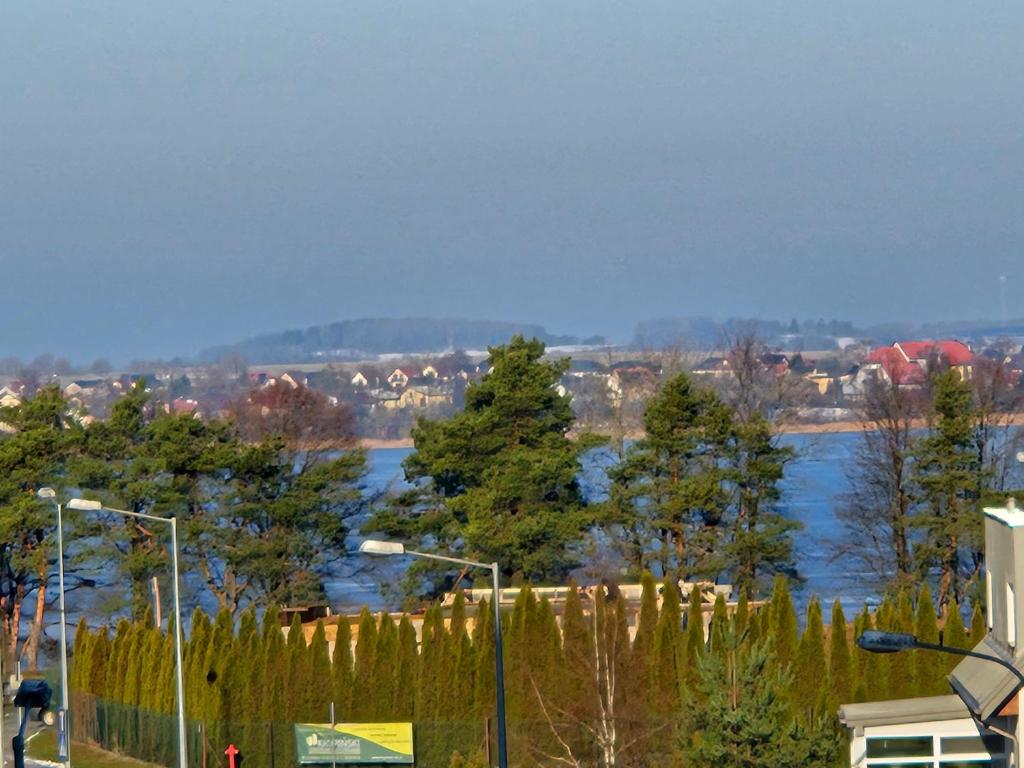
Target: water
814,483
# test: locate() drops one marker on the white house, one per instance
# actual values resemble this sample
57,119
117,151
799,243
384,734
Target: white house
978,724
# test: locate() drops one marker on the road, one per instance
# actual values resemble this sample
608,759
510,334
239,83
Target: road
10,728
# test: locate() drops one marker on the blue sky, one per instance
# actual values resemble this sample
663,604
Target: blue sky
175,175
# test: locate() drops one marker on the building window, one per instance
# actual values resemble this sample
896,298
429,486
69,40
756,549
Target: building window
1011,617
988,598
973,751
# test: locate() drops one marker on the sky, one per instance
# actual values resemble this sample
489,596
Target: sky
179,175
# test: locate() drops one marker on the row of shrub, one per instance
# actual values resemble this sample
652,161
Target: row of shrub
580,690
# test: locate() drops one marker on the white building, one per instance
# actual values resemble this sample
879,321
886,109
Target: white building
978,724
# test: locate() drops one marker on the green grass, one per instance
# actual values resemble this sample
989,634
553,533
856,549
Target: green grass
44,747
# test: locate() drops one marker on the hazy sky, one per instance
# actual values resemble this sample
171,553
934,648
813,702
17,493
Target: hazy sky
179,174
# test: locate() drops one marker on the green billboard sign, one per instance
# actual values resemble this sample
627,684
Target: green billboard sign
354,743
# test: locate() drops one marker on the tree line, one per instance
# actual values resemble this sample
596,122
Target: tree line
599,683
262,500
265,496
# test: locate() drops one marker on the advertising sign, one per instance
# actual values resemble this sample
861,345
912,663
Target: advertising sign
354,743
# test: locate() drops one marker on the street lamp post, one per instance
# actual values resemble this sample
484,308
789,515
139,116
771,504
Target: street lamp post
95,506
894,642
49,493
374,547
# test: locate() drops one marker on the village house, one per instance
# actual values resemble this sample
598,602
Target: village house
400,377
906,363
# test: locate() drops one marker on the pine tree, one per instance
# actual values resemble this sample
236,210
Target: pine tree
839,663
740,717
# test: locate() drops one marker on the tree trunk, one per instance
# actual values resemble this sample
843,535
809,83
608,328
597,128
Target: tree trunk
35,632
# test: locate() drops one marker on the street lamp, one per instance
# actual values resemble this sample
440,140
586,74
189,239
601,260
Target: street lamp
376,547
894,642
88,505
50,494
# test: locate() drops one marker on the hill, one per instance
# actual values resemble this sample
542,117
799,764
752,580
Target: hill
351,339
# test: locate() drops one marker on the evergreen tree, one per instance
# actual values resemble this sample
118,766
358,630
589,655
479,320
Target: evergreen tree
951,479
809,669
977,625
954,635
320,683
840,667
783,631
741,618
670,487
383,690
366,647
503,472
929,667
669,651
407,672
903,682
761,541
298,675
719,625
342,673
740,717
483,648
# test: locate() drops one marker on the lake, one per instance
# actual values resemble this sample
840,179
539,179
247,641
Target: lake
814,483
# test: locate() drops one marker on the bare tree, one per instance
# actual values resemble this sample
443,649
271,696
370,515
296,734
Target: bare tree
877,511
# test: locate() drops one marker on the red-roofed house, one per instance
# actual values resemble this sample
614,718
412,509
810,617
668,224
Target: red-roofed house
906,362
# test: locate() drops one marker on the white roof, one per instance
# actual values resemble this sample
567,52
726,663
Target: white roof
1008,515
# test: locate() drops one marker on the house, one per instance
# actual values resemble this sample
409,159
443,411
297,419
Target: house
906,363
83,387
978,724
367,378
399,378
9,397
423,397
713,366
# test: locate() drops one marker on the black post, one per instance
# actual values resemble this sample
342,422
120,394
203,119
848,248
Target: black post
499,672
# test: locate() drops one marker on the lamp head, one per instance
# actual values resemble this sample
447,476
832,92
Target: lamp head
376,547
33,694
85,505
46,493
886,642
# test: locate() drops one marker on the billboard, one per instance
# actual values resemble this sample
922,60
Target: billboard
389,743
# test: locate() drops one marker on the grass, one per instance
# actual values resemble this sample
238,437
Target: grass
44,747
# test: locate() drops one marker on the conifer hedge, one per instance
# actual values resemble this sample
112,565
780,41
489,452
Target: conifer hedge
579,691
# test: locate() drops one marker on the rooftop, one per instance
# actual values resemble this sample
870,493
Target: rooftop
1009,515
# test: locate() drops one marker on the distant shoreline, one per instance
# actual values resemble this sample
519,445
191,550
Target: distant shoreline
827,428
